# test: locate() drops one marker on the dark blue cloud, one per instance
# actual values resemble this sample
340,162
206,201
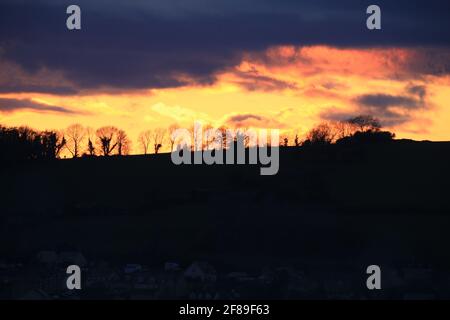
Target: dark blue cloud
11,105
18,88
383,101
391,109
151,44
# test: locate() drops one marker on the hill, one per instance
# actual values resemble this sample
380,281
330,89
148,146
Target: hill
337,203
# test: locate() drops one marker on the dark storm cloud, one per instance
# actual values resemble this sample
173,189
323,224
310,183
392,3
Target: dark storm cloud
62,90
10,105
162,43
390,109
387,117
430,61
419,90
383,101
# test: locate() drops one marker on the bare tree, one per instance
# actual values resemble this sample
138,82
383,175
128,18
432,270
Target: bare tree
90,133
297,140
285,138
294,137
60,143
196,137
243,134
223,135
91,148
158,138
50,143
322,134
343,129
172,138
365,123
209,137
123,143
107,139
75,135
144,140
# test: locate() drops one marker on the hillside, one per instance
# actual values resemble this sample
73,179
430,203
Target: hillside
387,202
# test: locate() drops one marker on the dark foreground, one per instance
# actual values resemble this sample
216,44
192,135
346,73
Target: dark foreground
141,227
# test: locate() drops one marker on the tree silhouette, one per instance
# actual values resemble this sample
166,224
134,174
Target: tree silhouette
107,139
224,137
26,143
23,143
243,135
323,134
196,138
367,137
158,138
91,148
343,129
59,143
296,140
144,140
172,138
209,137
90,133
365,123
75,135
123,143
51,144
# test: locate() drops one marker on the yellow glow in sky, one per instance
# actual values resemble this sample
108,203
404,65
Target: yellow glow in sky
292,88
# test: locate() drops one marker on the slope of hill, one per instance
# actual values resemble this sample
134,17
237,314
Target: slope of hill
339,203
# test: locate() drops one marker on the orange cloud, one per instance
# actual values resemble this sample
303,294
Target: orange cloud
284,87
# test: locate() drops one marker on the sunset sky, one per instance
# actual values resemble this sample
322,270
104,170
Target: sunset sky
272,64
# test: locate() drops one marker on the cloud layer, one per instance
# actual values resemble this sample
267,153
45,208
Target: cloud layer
161,43
391,109
10,105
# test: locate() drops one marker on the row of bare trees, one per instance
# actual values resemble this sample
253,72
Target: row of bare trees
332,131
106,141
154,140
109,140
325,133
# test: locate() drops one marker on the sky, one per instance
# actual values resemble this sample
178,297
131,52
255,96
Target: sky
283,64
